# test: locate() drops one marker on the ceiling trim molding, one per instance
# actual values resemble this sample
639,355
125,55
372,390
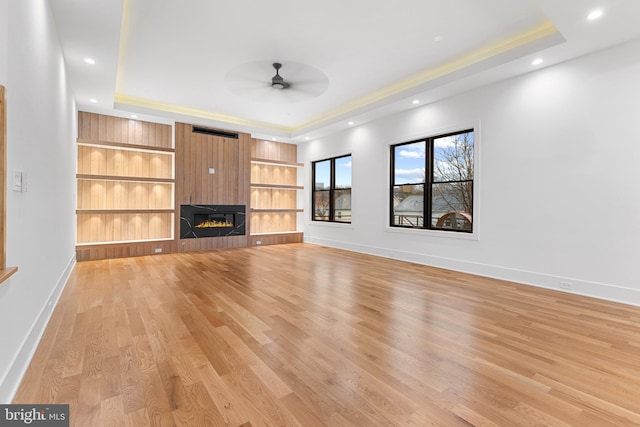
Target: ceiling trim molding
194,112
542,31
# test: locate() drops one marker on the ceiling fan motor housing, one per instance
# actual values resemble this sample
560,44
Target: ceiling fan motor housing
277,81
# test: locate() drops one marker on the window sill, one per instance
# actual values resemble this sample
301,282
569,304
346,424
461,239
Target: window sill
7,272
433,233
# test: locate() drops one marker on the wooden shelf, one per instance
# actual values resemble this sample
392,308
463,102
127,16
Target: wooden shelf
278,186
276,162
126,183
137,147
5,273
275,210
124,178
123,211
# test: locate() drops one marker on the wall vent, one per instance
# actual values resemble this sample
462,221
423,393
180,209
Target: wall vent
214,132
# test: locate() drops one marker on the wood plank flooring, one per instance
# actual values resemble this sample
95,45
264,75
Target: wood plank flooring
303,335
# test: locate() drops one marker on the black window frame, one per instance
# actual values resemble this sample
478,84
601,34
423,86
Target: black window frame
429,183
332,189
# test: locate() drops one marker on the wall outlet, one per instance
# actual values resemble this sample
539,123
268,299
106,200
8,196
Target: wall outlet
258,242
566,285
212,171
157,250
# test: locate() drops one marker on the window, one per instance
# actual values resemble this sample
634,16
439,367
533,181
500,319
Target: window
331,189
432,183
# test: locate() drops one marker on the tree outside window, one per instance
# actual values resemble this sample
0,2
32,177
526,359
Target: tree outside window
331,189
432,179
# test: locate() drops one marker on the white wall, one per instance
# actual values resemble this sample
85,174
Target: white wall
558,181
40,222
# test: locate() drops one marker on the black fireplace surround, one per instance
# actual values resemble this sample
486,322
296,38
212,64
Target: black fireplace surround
198,221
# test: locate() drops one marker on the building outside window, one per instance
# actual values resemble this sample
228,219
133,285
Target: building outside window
331,189
432,183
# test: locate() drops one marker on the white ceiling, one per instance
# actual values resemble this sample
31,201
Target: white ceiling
189,60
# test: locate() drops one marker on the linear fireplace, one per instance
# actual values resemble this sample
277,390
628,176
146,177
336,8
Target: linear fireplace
198,221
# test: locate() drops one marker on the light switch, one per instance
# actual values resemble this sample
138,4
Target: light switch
212,171
17,180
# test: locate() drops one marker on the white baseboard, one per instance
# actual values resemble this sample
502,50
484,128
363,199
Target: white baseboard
15,373
541,280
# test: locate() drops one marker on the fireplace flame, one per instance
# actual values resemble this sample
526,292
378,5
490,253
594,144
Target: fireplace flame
214,224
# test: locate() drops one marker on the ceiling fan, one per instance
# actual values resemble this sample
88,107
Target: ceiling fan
250,80
277,81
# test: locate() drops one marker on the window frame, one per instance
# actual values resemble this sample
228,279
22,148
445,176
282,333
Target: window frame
332,190
429,183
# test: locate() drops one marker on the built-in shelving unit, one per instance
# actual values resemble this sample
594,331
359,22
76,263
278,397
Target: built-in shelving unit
125,185
274,188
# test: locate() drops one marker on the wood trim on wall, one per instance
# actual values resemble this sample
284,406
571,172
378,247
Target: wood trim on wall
5,272
3,178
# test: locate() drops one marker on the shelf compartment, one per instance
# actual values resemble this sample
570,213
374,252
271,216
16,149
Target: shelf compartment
116,226
101,127
273,222
119,162
122,194
273,198
273,174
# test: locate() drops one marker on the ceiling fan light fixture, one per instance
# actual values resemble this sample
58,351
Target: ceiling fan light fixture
277,82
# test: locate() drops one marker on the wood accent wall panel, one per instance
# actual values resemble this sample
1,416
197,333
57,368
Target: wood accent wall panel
276,239
195,154
99,194
114,162
277,151
128,131
117,227
123,250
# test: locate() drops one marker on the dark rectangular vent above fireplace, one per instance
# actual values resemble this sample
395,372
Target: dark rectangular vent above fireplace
198,221
214,132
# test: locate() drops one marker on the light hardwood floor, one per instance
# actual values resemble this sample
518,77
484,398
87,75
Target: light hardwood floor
304,335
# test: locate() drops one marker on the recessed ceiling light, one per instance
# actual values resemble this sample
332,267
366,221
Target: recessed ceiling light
416,101
438,38
133,116
594,14
93,100
273,139
306,138
351,123
89,61
537,61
